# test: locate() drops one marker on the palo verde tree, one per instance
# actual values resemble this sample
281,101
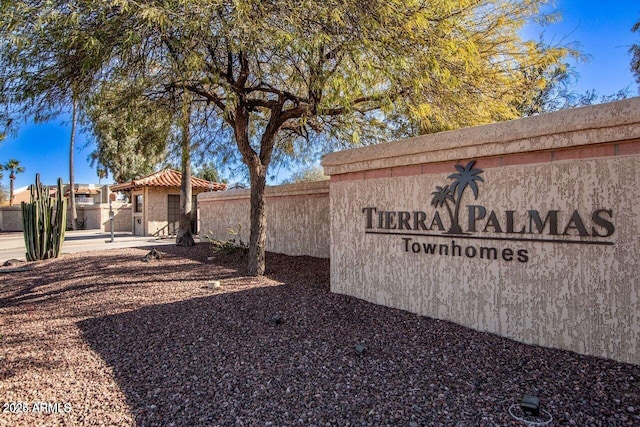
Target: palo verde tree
558,90
635,52
280,73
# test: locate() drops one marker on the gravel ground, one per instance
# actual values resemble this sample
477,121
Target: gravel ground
102,338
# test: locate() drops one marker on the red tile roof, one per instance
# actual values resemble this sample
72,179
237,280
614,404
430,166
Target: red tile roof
168,178
83,191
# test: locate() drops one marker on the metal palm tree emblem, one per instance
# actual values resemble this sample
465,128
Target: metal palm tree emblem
466,177
441,197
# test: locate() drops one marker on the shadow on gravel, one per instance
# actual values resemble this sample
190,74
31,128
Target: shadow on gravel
79,274
221,360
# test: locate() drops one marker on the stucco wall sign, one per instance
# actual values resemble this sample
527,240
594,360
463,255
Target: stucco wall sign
422,232
528,229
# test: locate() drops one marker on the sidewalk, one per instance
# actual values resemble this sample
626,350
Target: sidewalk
12,244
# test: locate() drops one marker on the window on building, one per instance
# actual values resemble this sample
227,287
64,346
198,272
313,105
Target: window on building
137,203
84,200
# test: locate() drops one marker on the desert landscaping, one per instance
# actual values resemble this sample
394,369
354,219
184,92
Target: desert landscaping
104,338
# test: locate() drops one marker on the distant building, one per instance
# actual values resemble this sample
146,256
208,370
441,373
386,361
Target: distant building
86,194
156,201
89,194
237,186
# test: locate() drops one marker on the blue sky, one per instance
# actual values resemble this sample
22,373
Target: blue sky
602,30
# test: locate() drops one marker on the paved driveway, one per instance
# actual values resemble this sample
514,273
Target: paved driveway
12,244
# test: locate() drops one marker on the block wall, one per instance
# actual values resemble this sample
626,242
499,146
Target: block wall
297,217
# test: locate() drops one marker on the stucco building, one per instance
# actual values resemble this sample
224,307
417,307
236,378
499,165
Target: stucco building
155,201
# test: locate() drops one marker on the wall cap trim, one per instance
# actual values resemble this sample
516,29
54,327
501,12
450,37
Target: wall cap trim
286,190
595,124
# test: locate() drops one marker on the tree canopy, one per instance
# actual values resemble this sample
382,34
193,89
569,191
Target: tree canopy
280,75
307,174
635,52
131,132
209,172
559,93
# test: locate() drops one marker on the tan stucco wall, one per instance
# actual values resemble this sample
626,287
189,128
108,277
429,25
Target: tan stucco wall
156,210
580,297
91,215
97,217
122,218
297,217
154,217
11,218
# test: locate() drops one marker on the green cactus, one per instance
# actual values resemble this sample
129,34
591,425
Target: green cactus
44,220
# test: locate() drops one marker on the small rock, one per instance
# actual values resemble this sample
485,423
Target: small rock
154,254
631,409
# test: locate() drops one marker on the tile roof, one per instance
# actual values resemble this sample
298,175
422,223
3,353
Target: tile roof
168,178
83,191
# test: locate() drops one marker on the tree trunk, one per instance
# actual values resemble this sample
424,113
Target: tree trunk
184,236
12,178
72,190
258,165
258,237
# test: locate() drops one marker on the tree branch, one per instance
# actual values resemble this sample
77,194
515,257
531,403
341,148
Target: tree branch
266,142
244,72
207,95
271,90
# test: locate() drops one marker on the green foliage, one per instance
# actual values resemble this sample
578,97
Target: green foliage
3,191
49,55
308,68
44,221
102,173
557,92
209,172
13,167
635,52
308,174
230,246
81,224
283,78
131,132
